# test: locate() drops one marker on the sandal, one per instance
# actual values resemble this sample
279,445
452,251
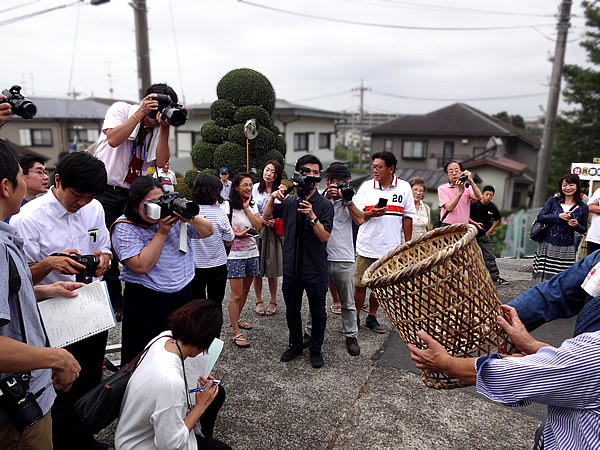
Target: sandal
269,311
241,341
365,307
336,309
244,325
260,311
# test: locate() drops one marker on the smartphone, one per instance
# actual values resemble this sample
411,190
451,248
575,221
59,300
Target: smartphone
382,202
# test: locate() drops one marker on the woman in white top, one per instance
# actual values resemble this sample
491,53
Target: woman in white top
269,243
210,258
156,412
421,221
242,262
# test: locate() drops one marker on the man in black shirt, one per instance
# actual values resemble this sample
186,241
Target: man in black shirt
486,217
307,224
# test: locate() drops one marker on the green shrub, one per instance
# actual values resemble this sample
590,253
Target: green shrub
214,172
223,122
182,188
189,178
213,133
253,112
222,109
275,130
244,87
271,154
279,144
498,236
232,156
203,155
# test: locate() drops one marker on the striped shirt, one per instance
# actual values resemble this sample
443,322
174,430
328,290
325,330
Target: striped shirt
567,379
210,251
172,271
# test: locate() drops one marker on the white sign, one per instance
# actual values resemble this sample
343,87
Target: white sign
586,171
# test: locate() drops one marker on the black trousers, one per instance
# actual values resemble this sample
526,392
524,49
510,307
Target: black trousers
211,281
145,314
67,430
316,290
114,204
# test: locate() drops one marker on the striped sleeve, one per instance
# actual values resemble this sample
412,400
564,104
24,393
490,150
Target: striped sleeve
126,241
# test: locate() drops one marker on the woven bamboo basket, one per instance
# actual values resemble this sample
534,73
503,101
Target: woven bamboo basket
439,283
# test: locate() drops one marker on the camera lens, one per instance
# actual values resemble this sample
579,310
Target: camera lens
186,208
26,109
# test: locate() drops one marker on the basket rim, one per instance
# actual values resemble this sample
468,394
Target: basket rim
470,234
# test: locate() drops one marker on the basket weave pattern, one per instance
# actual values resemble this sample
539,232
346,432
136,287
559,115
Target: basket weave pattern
439,283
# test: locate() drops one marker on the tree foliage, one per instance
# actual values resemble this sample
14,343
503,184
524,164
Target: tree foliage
513,119
577,135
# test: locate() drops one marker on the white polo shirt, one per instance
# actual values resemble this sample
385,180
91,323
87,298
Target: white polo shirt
47,227
379,235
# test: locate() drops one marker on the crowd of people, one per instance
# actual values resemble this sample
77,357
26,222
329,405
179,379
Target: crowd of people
173,300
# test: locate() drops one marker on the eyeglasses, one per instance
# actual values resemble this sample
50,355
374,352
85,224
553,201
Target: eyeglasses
379,167
41,172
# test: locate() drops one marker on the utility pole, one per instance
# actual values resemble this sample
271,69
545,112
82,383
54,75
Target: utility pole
142,45
362,90
543,161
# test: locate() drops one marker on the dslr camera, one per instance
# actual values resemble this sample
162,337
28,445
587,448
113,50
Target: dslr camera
303,183
346,191
168,204
89,261
21,406
464,180
173,113
19,104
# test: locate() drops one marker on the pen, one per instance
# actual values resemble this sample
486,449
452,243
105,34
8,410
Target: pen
214,383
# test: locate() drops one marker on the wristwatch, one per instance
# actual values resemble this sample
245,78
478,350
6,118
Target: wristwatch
348,203
313,222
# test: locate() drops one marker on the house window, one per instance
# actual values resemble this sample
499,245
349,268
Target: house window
83,135
325,140
387,145
38,137
300,142
448,152
414,149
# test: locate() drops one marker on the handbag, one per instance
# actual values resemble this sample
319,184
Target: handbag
538,231
102,404
278,226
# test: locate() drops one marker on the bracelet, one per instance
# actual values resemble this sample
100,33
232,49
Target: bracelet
136,118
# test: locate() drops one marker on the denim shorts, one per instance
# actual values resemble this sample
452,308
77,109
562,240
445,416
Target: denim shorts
240,268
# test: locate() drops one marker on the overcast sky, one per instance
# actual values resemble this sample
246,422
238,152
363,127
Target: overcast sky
307,59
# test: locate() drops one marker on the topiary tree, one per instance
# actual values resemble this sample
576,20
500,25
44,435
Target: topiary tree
243,94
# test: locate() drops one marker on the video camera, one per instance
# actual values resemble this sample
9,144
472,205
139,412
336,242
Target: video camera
19,104
168,204
346,191
21,406
173,113
303,183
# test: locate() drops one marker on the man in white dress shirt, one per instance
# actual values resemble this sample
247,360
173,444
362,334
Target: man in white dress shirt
68,220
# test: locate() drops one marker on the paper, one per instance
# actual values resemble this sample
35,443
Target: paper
203,363
69,320
591,284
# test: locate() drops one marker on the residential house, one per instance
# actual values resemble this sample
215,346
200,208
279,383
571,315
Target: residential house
306,130
426,142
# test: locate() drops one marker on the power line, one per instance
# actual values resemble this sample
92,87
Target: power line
321,96
18,6
37,13
506,97
403,27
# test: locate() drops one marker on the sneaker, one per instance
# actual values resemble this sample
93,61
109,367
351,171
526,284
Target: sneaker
306,340
501,280
316,359
290,354
372,323
352,345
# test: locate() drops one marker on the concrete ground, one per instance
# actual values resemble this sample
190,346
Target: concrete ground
375,400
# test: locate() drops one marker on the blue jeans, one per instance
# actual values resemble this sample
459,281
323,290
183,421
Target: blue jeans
561,297
316,290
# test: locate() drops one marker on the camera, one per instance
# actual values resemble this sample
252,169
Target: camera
173,113
20,406
463,179
346,191
303,183
168,204
91,264
19,104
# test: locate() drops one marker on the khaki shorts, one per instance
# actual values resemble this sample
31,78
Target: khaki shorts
362,264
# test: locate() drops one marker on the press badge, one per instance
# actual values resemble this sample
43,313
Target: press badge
93,235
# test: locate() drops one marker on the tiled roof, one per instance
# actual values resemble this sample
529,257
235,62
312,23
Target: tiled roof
510,165
458,119
63,108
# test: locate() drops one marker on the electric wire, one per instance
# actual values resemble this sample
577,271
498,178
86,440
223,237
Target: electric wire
505,97
321,96
37,13
177,53
18,6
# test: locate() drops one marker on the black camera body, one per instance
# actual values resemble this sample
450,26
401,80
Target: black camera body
346,191
20,105
464,180
168,204
21,406
173,113
91,264
303,183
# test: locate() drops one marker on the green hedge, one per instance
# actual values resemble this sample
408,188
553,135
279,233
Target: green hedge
222,109
253,112
213,133
232,156
244,87
202,155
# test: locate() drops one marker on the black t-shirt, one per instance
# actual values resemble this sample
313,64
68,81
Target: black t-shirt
314,251
486,214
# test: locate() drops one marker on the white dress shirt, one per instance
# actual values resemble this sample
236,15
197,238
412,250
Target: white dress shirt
47,227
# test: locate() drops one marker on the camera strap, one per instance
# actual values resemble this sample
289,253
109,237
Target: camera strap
14,286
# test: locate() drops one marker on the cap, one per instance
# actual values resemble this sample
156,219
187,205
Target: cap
224,170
